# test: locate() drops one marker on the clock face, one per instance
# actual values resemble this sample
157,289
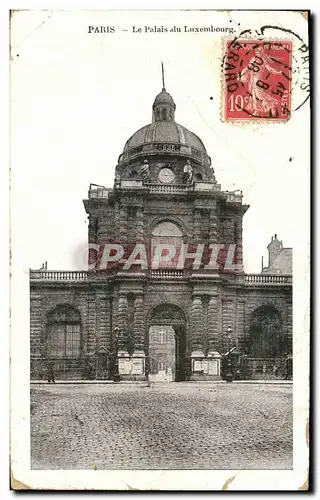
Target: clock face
166,175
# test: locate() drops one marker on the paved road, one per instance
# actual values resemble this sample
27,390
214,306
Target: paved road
168,426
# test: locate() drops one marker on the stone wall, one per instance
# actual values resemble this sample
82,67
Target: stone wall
209,311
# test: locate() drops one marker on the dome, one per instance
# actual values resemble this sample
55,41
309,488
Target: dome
164,136
164,98
164,131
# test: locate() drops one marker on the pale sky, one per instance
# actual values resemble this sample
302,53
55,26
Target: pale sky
77,98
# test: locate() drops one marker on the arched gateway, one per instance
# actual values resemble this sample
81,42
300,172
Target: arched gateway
166,344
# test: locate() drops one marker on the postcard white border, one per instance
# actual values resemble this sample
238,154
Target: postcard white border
167,480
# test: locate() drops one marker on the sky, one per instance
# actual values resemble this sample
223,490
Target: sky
77,97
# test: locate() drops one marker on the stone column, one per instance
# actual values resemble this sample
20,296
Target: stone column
122,320
212,324
111,222
90,346
213,226
138,323
92,238
105,334
38,336
123,224
197,323
139,225
197,224
238,235
109,324
138,357
116,220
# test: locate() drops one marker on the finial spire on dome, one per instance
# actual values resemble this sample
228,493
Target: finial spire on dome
163,84
163,107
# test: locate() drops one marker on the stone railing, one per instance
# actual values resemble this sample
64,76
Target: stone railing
99,192
77,276
169,188
58,275
175,149
166,274
267,279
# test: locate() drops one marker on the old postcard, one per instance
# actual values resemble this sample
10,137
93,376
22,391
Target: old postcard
160,249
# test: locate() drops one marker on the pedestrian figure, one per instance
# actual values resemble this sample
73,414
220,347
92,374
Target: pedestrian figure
275,370
88,370
50,373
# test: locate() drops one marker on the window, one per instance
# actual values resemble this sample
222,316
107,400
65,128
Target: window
266,335
64,333
168,234
167,228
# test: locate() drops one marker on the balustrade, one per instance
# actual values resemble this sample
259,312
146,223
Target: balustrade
261,279
168,188
58,275
167,273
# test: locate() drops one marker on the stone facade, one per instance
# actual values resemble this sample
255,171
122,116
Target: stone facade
165,192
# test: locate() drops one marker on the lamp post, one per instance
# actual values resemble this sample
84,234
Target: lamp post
116,375
229,375
229,336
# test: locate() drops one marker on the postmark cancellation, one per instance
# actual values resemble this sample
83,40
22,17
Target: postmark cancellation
257,80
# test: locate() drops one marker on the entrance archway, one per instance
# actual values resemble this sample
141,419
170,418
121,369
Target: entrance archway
166,352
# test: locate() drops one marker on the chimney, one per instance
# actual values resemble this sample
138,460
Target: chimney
274,249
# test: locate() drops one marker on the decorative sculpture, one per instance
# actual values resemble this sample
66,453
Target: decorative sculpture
213,177
144,171
117,174
188,172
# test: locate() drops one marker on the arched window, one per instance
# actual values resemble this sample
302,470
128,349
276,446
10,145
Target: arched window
63,333
266,335
167,228
168,234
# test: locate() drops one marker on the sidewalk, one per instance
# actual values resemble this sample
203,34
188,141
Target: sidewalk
144,382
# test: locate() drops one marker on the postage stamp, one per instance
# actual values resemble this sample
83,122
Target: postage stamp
257,80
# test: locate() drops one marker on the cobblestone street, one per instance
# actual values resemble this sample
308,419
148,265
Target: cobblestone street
167,426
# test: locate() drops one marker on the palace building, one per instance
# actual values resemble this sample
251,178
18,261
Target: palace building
170,320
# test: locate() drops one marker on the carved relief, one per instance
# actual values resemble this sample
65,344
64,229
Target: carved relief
168,313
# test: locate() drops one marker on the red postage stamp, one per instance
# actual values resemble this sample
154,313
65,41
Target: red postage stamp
257,80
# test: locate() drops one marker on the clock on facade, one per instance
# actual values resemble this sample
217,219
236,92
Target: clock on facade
166,175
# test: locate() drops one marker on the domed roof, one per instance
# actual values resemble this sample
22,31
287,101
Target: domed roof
164,98
164,131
